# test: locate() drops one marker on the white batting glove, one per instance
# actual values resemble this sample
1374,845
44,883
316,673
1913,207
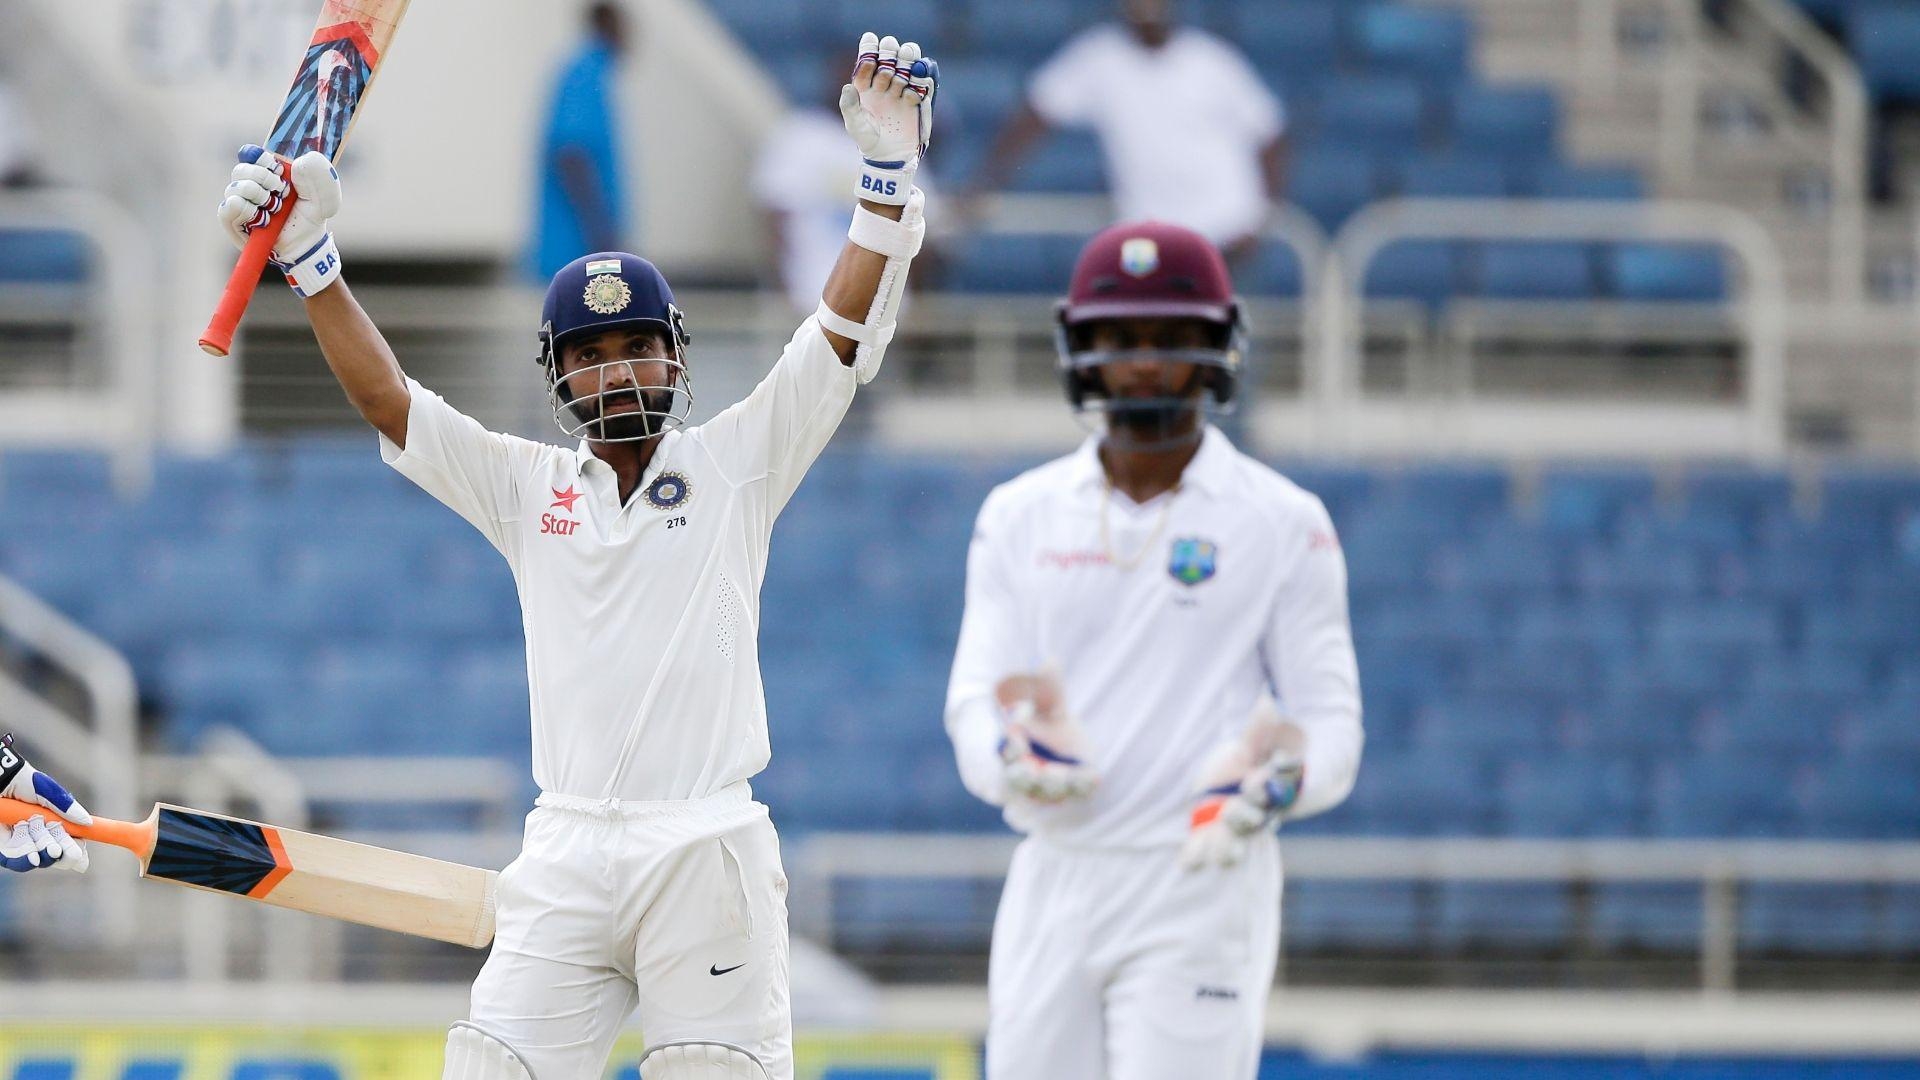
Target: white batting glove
305,251
1042,750
40,841
1242,789
888,108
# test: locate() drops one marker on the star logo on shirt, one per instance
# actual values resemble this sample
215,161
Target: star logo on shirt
565,499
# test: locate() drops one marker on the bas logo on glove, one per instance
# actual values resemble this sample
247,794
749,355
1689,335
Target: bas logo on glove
888,109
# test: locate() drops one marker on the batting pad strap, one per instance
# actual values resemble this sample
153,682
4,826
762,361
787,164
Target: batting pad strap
862,333
884,236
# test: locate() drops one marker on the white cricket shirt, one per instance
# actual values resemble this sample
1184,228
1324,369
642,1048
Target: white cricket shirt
641,620
1239,587
1182,126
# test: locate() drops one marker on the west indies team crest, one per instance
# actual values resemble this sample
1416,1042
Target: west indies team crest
319,109
1193,561
669,491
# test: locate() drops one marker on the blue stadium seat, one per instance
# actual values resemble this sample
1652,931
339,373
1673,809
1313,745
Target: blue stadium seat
1453,176
1644,722
1569,795
1516,121
1023,30
223,681
1825,919
1465,728
1289,35
1785,727
1604,628
1722,796
1431,42
1386,113
1509,563
1534,270
1322,914
1422,794
1330,181
1748,494
1480,914
1885,37
1423,270
842,21
1014,263
54,478
1866,499
1889,731
1463,494
1069,161
914,914
1715,630
1686,273
1588,501
1560,180
985,91
1865,798
775,26
1273,270
1637,572
44,256
1648,916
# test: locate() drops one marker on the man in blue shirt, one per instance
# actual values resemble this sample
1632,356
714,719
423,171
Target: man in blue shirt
582,193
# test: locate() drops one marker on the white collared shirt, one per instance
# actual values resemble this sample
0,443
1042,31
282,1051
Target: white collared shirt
641,620
1182,126
1166,626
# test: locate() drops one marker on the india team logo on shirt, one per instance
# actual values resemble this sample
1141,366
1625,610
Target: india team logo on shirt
1192,561
669,491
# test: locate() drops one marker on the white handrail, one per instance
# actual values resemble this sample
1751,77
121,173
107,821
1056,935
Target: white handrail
120,301
1719,867
1759,307
100,757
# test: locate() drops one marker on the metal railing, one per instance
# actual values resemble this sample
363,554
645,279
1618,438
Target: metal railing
1719,868
1753,427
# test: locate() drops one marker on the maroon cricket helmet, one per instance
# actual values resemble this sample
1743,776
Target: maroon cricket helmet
1150,270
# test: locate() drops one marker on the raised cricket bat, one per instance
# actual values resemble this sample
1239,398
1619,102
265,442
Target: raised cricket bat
321,875
348,44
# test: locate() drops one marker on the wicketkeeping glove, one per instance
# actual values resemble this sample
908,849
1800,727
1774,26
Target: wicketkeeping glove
888,108
39,841
305,252
1242,789
1041,747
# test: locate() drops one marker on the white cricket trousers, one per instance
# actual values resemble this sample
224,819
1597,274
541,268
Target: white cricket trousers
1115,964
679,908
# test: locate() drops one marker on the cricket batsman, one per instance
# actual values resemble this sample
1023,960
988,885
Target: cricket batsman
649,877
1154,669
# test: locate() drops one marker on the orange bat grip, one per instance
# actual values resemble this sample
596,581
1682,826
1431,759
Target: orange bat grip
135,836
217,339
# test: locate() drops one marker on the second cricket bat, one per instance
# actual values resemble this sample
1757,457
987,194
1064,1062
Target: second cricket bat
321,875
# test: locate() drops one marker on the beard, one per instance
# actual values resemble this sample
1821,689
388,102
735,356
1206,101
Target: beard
656,404
1152,423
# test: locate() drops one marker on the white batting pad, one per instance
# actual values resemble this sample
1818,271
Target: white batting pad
700,1061
472,1054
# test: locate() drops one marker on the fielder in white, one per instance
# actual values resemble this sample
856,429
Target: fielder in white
649,877
1154,669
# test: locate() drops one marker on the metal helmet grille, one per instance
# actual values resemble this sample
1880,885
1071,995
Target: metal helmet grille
662,407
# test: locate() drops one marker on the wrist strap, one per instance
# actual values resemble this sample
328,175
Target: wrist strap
887,181
315,270
885,236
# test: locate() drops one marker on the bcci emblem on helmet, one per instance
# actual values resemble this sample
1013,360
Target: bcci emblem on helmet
1192,561
607,295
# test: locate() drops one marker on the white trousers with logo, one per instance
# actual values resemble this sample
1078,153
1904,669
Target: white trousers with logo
678,908
1118,965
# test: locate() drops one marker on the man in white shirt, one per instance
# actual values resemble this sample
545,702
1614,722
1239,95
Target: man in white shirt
1154,668
649,876
1191,133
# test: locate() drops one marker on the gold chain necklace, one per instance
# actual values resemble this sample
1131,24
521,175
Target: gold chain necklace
1106,535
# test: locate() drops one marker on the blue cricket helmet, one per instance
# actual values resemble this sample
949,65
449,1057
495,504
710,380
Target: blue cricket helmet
605,291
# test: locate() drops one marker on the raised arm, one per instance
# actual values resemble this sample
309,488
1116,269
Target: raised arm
307,255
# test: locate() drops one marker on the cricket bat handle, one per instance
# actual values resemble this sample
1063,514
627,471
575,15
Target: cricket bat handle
135,836
217,339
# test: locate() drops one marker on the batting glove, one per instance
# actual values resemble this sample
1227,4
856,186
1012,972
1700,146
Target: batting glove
1041,748
1243,788
888,108
305,251
40,841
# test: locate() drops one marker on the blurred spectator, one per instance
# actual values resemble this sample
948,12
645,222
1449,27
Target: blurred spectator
804,182
1192,136
18,167
582,192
